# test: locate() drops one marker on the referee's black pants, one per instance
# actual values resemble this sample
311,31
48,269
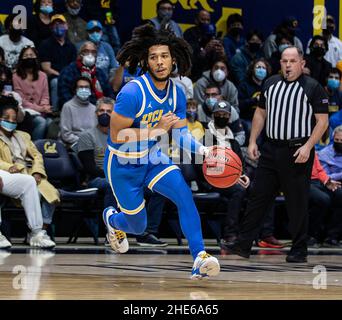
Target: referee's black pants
276,171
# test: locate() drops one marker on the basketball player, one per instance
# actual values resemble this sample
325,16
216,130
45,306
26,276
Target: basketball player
146,108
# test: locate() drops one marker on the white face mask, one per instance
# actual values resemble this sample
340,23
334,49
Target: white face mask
219,75
88,60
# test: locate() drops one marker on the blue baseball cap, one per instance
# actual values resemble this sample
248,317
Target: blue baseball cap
92,24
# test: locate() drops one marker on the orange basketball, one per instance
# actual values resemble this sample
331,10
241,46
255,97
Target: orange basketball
222,167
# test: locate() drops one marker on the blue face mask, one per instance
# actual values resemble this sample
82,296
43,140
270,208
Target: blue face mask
59,31
191,116
333,84
210,102
8,126
95,37
83,93
46,9
282,47
260,73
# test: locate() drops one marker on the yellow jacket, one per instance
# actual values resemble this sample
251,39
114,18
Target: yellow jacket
29,150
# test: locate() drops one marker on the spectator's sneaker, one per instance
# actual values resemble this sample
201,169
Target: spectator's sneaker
313,243
150,240
4,243
40,239
117,238
205,266
270,242
332,243
296,258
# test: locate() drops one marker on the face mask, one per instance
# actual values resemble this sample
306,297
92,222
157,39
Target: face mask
104,119
59,31
29,63
73,12
83,93
318,51
191,116
329,30
333,84
15,34
260,73
220,122
46,9
219,75
95,37
235,32
282,47
338,147
208,29
8,126
88,60
254,47
165,14
210,102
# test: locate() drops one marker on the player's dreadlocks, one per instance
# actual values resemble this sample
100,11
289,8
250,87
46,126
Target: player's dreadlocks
135,51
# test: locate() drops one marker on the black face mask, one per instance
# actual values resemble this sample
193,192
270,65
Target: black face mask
234,32
338,147
220,122
318,51
254,47
15,34
104,120
329,30
29,63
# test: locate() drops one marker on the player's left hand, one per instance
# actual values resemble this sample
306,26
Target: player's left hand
302,154
244,181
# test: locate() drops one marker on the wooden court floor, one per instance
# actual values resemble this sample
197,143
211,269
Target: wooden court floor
77,273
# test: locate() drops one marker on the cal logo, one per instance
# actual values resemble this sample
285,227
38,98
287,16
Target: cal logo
193,4
50,148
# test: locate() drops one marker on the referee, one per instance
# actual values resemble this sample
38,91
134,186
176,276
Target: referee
294,109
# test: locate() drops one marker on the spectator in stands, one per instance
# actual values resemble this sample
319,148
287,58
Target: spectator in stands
195,127
332,88
184,83
219,127
24,118
84,65
234,40
316,65
2,57
335,120
163,20
251,51
334,47
217,74
78,114
199,36
107,13
212,52
91,146
288,26
18,155
250,89
325,194
77,33
282,40
38,26
205,110
13,42
105,58
24,188
32,85
123,76
331,156
55,53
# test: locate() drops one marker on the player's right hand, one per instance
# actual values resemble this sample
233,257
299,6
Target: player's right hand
167,121
253,151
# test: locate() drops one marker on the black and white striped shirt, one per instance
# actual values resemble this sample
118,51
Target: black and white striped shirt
291,106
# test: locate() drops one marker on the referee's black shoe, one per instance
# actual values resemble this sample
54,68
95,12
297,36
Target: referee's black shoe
233,247
296,257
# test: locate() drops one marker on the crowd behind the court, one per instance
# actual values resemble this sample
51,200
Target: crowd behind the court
59,79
